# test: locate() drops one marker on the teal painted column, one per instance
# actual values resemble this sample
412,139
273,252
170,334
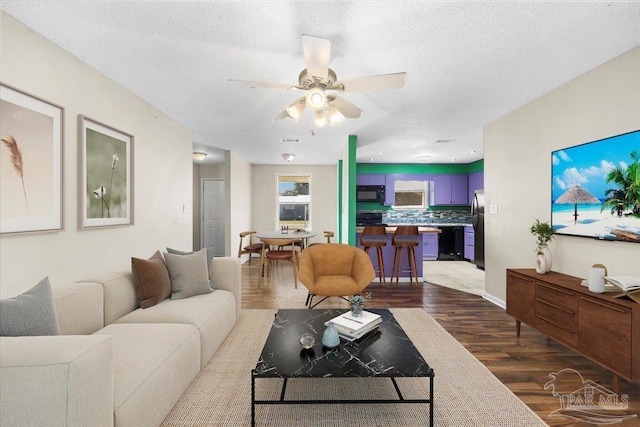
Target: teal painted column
353,140
339,234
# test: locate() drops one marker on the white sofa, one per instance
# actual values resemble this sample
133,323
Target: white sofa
115,363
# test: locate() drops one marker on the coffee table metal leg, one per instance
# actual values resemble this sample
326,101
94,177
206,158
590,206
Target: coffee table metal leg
284,389
253,399
431,399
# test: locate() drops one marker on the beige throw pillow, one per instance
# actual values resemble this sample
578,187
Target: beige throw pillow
189,275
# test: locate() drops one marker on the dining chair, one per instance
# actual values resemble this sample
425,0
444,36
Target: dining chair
251,248
267,255
328,235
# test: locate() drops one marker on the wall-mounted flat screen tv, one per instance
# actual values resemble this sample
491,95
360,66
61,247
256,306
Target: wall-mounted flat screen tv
596,189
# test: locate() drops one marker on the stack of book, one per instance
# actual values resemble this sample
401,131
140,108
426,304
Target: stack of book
353,328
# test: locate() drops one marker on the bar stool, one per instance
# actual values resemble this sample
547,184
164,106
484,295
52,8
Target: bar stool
375,236
405,236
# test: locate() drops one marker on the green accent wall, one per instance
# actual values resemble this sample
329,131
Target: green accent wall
416,168
476,166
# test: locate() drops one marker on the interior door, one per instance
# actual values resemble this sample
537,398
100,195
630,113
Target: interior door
213,218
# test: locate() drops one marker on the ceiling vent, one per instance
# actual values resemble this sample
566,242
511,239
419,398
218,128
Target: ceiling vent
445,141
290,140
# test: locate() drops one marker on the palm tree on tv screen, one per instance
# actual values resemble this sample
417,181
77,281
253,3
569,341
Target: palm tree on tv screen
627,195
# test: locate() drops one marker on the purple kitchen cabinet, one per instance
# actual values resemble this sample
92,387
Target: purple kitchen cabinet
476,182
389,195
370,179
451,190
430,246
469,242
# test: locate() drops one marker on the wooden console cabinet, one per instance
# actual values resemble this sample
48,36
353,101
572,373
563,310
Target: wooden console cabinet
602,328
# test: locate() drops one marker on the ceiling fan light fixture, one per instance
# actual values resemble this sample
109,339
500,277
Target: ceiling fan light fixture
316,98
288,156
320,120
335,116
199,155
295,110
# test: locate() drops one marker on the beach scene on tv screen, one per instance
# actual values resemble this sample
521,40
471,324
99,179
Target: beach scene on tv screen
596,189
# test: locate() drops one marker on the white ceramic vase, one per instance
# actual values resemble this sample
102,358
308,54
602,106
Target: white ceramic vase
544,261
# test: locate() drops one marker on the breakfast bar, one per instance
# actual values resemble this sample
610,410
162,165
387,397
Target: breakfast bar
387,253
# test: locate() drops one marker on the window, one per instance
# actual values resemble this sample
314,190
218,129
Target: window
294,201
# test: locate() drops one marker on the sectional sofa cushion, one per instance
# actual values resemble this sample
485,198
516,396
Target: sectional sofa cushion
32,313
153,366
213,314
151,280
189,274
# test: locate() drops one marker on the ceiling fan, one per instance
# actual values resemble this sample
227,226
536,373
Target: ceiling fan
318,79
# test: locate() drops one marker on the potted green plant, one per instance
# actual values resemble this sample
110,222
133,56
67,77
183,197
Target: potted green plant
544,234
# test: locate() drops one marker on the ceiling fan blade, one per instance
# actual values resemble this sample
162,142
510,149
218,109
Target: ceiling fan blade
282,115
247,83
383,81
345,107
316,53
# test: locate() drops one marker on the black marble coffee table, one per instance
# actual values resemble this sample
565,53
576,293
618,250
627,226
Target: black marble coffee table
387,352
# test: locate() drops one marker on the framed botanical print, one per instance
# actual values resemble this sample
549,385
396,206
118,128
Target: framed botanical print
31,165
106,175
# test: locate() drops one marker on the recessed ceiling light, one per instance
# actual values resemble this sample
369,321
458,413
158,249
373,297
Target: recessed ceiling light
472,151
371,159
423,157
453,159
380,152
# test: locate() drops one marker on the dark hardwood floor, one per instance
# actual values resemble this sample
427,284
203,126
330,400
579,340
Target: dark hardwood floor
484,329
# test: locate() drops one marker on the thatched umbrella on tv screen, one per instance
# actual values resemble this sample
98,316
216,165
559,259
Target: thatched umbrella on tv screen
574,196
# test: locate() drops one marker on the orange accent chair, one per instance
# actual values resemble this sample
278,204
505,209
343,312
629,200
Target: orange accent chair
334,270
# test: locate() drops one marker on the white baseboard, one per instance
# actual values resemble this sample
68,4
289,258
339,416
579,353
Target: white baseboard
495,300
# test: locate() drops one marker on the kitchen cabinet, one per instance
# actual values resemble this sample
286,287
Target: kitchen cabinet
370,179
451,190
603,328
469,242
476,182
389,195
430,246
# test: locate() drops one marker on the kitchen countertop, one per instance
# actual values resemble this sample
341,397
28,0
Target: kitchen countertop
392,229
436,224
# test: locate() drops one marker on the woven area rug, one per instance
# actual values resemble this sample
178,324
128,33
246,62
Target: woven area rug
466,393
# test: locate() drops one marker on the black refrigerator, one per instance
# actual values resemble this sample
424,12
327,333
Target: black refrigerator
477,215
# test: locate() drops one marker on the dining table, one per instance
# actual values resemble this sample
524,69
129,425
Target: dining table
303,235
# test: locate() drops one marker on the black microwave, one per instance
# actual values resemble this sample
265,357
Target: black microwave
370,193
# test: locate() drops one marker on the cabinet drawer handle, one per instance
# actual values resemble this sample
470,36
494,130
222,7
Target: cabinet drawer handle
566,328
610,307
556,307
555,289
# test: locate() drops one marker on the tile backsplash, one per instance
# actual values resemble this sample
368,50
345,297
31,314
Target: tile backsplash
419,216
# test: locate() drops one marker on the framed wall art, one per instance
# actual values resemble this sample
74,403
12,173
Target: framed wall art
31,163
106,181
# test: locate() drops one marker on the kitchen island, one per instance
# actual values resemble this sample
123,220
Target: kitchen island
387,252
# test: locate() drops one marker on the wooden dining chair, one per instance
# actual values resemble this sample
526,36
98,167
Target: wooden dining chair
251,248
281,253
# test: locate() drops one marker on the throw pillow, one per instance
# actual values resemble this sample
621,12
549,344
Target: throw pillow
210,255
151,280
189,276
32,313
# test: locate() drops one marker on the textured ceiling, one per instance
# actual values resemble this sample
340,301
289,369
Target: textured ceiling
467,64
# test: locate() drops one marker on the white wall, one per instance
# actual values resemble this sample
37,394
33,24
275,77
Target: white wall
238,190
517,165
162,169
324,203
